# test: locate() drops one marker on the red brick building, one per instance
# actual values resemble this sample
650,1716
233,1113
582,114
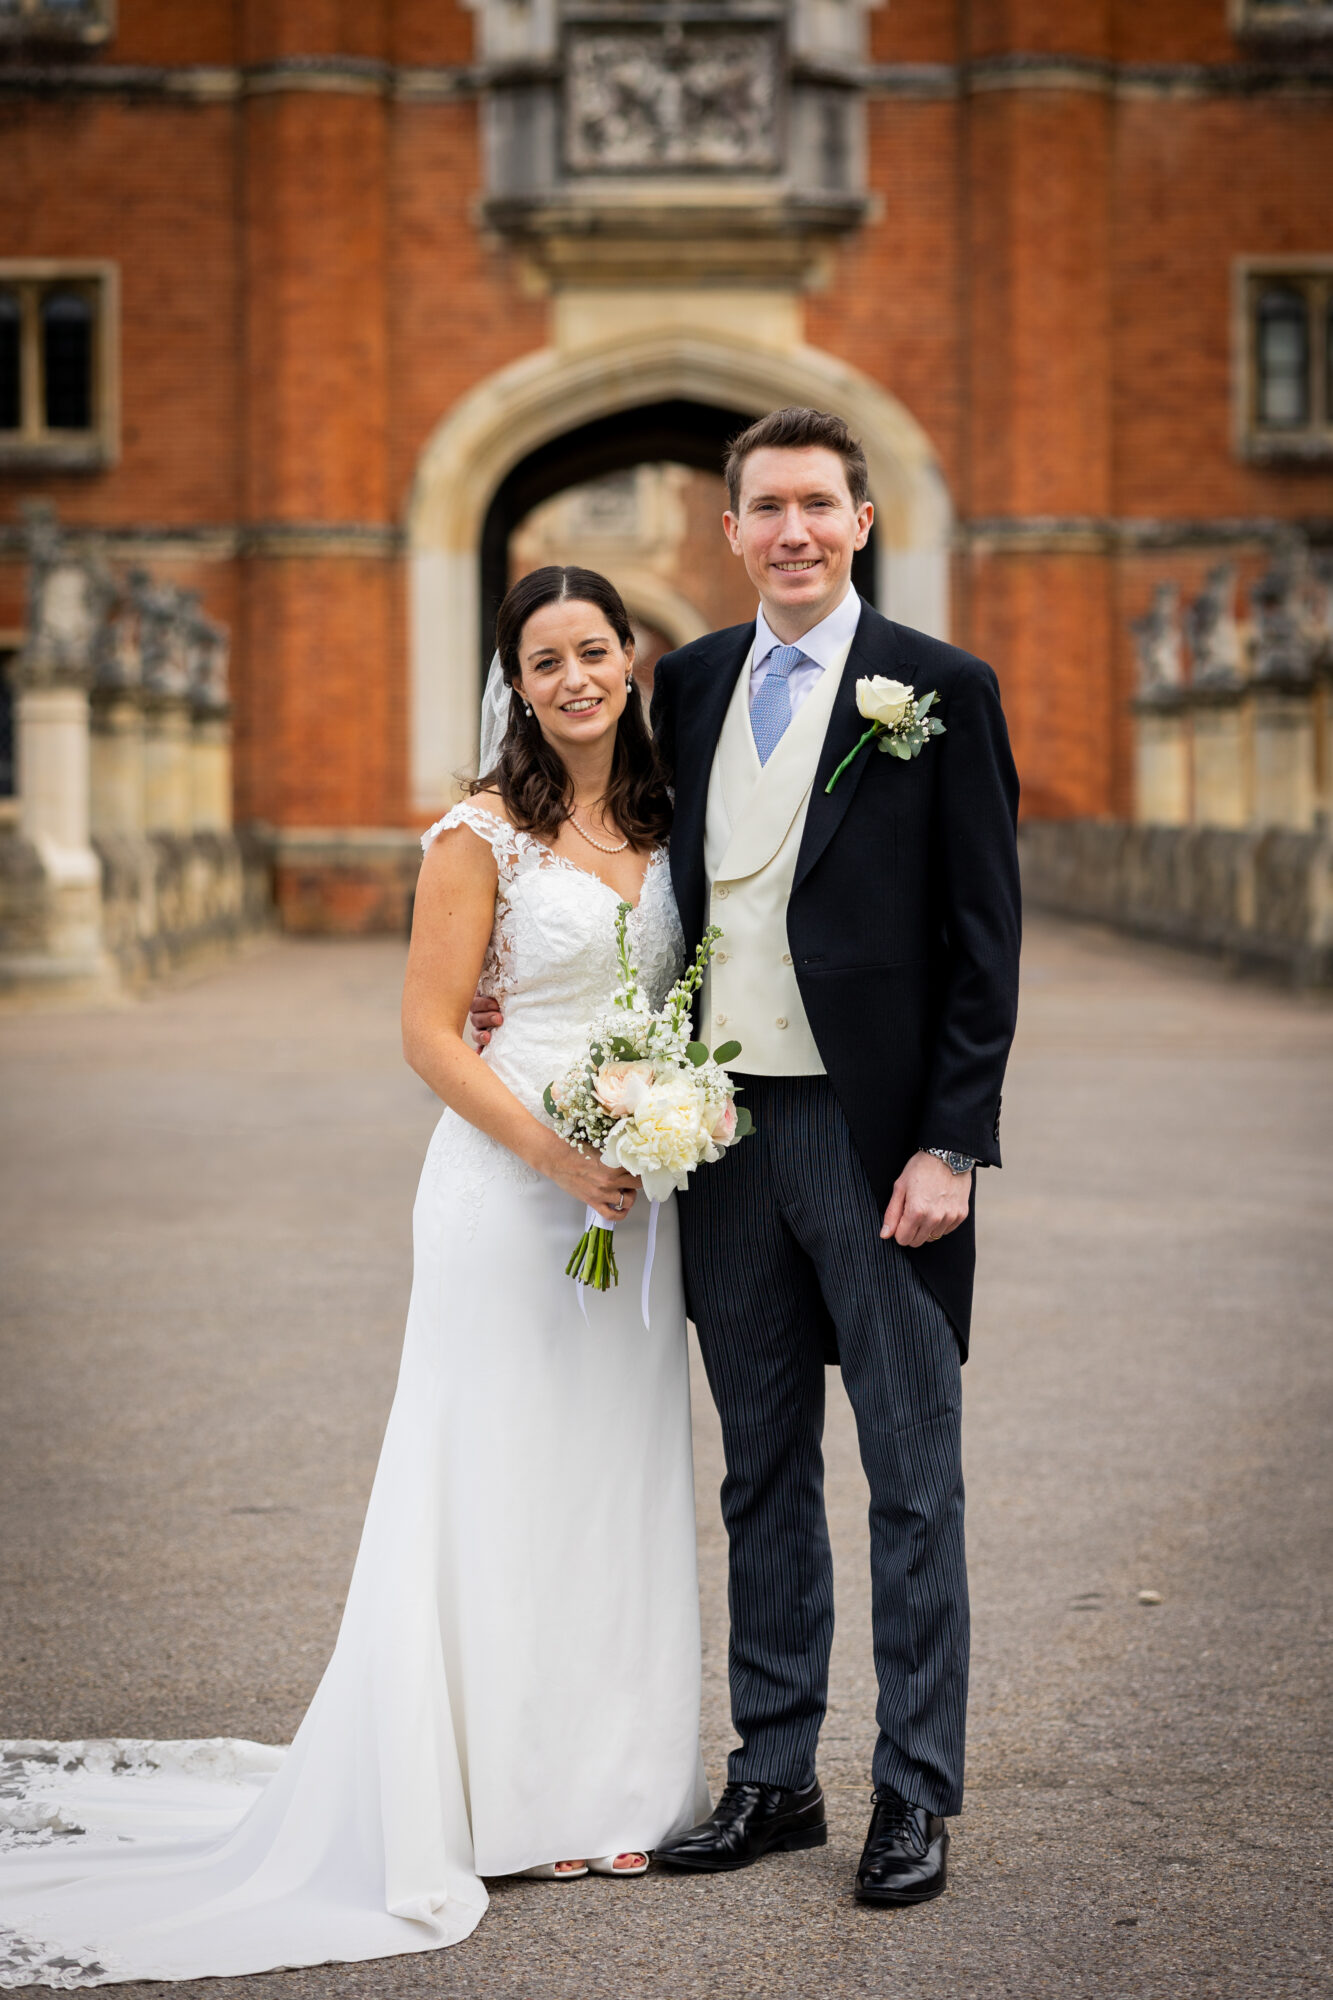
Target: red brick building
308,303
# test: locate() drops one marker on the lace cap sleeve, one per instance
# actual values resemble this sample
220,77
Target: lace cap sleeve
504,841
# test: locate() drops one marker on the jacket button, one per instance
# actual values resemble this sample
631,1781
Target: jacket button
786,958
781,1021
721,1020
721,889
719,958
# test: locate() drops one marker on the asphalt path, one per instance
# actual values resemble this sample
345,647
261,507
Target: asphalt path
204,1225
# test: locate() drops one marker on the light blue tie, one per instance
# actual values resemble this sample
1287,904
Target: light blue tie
772,705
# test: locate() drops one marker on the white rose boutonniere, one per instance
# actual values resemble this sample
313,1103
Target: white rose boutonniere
902,723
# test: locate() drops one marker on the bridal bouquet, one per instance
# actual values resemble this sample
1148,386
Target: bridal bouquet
645,1097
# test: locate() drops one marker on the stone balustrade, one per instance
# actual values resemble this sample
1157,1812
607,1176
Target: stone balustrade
1231,849
124,861
1233,715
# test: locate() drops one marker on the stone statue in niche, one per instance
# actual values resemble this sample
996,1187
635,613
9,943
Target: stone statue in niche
1278,610
642,100
1157,642
1214,637
162,634
69,597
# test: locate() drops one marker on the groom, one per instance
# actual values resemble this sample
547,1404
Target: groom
869,969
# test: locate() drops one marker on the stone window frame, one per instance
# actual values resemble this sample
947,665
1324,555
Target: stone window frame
33,445
1313,441
40,21
1285,20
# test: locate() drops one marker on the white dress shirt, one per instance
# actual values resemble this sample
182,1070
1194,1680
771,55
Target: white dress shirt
828,641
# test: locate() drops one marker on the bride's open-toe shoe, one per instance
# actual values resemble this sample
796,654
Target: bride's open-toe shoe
553,1871
635,1857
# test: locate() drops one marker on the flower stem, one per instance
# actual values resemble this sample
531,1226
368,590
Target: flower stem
875,729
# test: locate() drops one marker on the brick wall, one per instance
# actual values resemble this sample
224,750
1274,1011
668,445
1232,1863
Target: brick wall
1046,284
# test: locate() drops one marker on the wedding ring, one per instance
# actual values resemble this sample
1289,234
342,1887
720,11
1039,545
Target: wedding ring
620,1204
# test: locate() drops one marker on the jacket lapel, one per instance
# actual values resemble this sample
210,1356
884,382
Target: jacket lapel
705,699
873,652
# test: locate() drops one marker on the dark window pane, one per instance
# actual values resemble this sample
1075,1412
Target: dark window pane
67,361
1282,350
11,327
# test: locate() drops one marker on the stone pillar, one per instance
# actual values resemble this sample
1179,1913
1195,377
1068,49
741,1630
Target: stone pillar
1282,695
117,760
210,729
1161,726
1162,763
1222,757
166,705
117,731
56,935
1285,779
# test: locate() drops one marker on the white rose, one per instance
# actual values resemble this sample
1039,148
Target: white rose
664,1138
881,700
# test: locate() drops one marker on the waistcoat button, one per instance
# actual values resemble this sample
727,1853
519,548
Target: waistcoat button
721,889
721,1020
781,1021
786,958
719,958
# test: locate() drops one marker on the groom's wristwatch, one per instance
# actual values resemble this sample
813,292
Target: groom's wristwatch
957,1163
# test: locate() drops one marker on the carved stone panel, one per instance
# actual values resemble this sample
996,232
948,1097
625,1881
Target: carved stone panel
656,101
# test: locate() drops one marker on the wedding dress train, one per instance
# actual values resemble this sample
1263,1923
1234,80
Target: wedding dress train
516,1677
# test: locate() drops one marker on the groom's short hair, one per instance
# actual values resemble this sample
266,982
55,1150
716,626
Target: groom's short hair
798,429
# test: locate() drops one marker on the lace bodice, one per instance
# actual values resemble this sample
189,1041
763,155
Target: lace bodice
552,957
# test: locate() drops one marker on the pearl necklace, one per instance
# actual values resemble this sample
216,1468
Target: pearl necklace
601,845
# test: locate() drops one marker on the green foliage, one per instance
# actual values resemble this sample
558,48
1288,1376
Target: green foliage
727,1053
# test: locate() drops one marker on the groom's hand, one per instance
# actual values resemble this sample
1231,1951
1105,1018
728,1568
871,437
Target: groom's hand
485,1016
929,1200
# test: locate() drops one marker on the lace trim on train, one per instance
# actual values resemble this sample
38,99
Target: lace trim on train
31,1818
28,1961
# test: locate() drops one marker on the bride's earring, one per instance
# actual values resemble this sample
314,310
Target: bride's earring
629,684
527,708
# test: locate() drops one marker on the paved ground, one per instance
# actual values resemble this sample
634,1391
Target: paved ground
204,1222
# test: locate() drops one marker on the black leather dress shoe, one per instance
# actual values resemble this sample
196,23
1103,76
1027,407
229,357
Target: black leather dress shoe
748,1822
903,1860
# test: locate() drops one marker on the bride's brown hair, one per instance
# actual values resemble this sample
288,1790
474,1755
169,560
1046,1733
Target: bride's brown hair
529,774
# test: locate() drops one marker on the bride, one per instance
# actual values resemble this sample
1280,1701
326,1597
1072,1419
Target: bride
515,1686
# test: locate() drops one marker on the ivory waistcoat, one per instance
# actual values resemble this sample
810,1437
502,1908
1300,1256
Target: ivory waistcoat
752,836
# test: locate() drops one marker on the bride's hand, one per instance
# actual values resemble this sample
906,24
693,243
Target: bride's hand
596,1186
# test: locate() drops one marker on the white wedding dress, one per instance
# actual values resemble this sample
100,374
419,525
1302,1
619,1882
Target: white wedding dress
516,1678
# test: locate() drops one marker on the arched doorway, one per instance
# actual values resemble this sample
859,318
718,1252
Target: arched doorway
677,431
513,439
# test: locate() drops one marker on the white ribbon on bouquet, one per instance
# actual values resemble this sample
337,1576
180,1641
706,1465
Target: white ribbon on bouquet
592,1220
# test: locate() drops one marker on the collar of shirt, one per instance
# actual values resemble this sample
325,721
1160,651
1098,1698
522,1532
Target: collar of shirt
822,643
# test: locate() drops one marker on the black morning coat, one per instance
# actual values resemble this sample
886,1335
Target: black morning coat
904,915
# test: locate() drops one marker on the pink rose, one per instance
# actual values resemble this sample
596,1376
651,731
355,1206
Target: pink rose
620,1086
723,1128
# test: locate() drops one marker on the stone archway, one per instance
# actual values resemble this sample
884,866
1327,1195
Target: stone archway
508,417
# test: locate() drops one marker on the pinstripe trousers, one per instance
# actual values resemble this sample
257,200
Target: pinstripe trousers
777,1237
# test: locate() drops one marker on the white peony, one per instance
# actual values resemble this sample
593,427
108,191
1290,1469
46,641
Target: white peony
886,701
664,1138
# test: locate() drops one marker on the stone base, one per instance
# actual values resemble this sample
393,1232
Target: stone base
345,881
167,901
1262,899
